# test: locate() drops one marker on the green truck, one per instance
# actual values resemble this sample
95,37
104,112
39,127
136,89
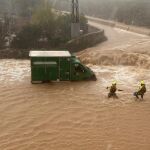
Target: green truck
57,66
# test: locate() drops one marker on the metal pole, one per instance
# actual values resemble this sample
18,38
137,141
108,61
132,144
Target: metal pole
75,11
75,24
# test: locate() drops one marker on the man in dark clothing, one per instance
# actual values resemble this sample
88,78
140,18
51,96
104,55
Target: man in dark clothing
141,91
112,90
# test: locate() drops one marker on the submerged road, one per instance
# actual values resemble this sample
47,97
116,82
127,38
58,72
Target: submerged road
121,47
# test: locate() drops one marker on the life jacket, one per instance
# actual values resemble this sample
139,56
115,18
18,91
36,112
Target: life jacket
142,89
113,89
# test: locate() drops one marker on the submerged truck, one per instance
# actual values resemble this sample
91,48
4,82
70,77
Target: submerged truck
58,66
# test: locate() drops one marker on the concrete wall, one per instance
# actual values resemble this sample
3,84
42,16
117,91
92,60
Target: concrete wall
95,36
86,41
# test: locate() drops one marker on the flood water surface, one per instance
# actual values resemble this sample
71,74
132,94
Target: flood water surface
72,115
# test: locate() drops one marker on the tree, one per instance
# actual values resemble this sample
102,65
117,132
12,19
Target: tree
45,19
27,38
25,8
49,26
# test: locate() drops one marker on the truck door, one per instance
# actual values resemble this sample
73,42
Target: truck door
51,69
64,69
79,72
38,70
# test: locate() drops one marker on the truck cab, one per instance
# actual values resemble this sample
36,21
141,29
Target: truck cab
80,71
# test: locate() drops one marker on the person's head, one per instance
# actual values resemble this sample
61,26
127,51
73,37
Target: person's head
142,82
114,83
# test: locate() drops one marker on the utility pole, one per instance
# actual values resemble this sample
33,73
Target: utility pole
75,21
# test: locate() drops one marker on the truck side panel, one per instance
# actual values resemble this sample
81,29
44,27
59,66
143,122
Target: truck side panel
64,69
44,69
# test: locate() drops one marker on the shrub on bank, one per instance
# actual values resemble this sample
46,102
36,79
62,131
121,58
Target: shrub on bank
47,29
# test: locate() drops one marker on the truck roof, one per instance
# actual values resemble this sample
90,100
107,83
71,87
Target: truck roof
50,54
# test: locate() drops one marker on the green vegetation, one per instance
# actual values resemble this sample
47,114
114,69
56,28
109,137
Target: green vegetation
47,29
27,38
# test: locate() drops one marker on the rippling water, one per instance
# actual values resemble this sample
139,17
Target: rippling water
72,115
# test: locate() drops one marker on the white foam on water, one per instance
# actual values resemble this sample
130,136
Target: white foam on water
14,70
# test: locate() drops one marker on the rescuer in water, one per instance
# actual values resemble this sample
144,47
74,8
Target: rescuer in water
112,90
141,91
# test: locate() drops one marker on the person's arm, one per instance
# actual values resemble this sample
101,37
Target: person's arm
120,90
108,87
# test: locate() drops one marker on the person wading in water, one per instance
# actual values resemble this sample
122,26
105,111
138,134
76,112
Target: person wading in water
141,91
112,90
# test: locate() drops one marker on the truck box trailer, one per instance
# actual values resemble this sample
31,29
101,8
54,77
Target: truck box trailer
57,66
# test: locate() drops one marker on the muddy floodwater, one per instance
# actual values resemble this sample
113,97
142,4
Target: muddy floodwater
72,115
78,115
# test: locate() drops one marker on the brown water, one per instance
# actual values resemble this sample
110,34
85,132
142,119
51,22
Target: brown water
78,115
72,115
